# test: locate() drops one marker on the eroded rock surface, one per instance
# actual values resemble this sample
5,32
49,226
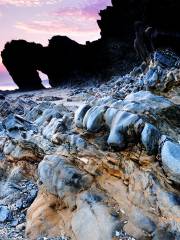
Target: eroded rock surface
102,166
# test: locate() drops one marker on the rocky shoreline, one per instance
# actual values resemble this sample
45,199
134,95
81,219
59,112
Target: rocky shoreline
94,162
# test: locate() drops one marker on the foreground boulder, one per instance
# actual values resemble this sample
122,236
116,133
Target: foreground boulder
63,179
93,219
122,126
171,160
127,118
150,138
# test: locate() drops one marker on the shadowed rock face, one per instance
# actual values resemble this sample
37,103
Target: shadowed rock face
118,21
65,61
59,61
162,15
63,58
21,60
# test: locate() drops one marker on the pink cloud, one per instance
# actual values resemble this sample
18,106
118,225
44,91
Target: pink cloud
28,3
76,19
79,32
58,27
87,8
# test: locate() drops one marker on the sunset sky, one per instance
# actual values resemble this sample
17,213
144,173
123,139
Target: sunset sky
39,20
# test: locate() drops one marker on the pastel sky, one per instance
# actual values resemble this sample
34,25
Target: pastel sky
39,20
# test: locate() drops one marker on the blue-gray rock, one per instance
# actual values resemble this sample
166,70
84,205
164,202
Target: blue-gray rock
105,101
33,193
93,220
76,142
150,138
123,124
164,234
47,115
2,130
163,139
4,213
94,118
79,115
136,107
55,125
118,104
17,126
14,222
62,179
170,154
166,59
90,197
142,221
18,122
149,100
1,127
19,203
37,111
109,115
151,77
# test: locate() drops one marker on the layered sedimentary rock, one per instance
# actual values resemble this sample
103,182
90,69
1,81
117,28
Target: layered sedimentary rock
106,166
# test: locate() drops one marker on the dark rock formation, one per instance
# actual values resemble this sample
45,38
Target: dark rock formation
162,15
65,61
118,21
61,60
21,60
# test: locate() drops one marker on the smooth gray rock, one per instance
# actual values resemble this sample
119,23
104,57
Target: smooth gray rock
164,113
92,220
118,104
109,115
47,115
142,221
79,115
170,154
104,101
94,118
148,98
136,108
62,179
76,142
150,138
123,124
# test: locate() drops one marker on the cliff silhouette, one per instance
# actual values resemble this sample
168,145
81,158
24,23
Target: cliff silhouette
65,60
